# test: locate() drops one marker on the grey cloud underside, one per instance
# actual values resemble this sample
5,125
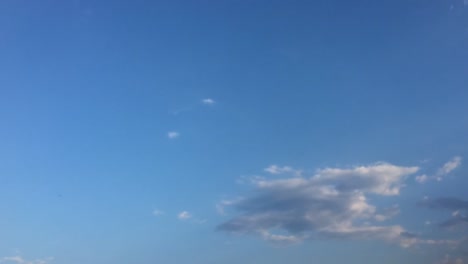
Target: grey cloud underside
447,203
458,206
457,221
330,204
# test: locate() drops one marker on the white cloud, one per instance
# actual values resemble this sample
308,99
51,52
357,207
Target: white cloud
21,260
208,101
184,215
283,239
380,178
275,169
331,204
421,178
448,167
157,212
173,134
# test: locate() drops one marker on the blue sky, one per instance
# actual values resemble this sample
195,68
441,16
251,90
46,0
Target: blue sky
233,132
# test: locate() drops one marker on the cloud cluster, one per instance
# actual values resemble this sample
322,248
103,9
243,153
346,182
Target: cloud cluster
333,203
447,168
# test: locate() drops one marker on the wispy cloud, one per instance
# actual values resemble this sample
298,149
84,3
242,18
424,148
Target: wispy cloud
21,260
184,215
173,134
275,169
421,178
208,101
331,204
447,168
193,106
157,212
451,260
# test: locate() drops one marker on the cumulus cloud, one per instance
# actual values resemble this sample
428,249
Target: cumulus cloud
21,260
447,168
184,215
332,203
173,134
208,101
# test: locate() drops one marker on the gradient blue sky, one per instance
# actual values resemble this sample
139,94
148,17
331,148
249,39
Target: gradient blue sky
111,152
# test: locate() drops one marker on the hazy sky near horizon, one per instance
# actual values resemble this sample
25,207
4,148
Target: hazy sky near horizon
233,132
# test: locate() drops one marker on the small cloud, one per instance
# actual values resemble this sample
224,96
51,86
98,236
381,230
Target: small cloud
184,215
275,169
421,178
157,212
208,101
449,166
21,260
427,222
173,135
